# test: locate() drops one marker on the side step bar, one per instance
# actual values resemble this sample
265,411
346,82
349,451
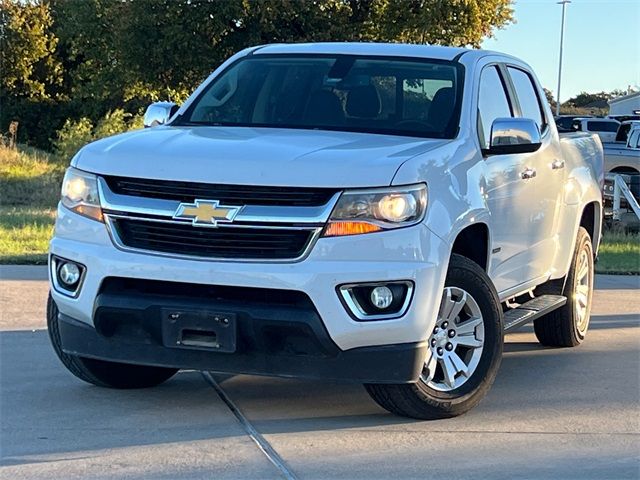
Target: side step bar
531,310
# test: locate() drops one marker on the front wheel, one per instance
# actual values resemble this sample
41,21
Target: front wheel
465,350
101,372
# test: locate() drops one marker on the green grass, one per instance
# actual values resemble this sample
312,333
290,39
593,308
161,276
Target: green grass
29,190
25,234
619,253
29,177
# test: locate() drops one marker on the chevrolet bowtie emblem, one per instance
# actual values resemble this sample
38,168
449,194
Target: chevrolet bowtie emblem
206,213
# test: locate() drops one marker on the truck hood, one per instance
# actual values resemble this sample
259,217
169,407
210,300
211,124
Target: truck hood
253,156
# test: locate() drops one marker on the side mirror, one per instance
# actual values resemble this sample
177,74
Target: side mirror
159,113
514,135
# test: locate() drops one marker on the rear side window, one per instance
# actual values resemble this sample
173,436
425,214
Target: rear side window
527,96
596,126
634,139
623,132
492,103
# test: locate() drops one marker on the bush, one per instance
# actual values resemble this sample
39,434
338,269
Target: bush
38,119
75,134
72,136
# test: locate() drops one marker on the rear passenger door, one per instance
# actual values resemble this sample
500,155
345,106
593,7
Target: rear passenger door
542,208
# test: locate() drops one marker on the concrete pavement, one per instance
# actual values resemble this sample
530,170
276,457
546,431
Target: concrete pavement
552,413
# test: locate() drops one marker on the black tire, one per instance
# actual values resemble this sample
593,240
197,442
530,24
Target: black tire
562,327
419,400
100,372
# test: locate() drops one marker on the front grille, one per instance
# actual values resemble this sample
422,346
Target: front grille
222,242
226,194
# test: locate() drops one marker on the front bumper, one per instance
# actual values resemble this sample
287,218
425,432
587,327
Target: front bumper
413,254
274,340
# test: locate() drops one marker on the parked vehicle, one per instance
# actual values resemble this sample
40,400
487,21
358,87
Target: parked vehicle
564,123
624,158
622,135
633,138
623,118
372,213
606,129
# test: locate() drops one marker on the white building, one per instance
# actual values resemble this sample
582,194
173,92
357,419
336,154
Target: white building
626,105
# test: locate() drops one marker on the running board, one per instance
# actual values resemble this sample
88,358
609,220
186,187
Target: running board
531,310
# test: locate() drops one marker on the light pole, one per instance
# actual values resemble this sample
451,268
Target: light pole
564,5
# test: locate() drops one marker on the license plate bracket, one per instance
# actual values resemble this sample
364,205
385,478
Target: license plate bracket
199,330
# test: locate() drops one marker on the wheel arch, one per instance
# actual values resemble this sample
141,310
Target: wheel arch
591,220
473,242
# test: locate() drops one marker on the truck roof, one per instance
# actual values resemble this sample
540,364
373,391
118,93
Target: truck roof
382,49
361,48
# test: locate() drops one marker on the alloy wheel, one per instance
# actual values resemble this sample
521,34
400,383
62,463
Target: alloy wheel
582,291
456,343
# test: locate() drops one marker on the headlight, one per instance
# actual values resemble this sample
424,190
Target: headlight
80,193
366,211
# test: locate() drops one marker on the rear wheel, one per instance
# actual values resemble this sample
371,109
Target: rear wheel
465,349
567,326
100,372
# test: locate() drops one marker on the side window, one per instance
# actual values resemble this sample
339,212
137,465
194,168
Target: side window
595,126
633,140
492,103
527,96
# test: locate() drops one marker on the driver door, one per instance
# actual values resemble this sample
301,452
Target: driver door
508,190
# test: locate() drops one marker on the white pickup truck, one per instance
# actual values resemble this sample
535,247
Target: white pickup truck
373,213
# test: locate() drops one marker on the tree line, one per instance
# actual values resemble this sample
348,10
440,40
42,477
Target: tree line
81,59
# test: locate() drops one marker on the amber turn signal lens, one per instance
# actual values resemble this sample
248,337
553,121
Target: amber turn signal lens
337,229
89,211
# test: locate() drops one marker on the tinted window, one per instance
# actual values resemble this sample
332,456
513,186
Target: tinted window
492,103
596,126
527,96
350,93
564,123
623,132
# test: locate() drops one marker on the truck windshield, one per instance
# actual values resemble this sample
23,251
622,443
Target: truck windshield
346,93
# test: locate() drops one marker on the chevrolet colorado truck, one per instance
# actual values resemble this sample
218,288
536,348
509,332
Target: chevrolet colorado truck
371,213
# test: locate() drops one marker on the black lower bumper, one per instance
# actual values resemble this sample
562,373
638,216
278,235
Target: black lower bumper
275,335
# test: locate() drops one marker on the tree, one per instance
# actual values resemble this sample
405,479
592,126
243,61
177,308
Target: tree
549,96
96,56
29,67
439,22
584,99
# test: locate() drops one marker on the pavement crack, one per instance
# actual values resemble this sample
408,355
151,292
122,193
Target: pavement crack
265,447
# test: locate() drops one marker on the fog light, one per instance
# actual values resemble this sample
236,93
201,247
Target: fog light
376,301
381,297
69,274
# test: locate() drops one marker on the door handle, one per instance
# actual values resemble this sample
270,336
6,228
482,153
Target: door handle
557,164
528,173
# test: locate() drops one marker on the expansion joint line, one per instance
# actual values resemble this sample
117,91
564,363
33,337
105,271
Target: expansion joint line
264,446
